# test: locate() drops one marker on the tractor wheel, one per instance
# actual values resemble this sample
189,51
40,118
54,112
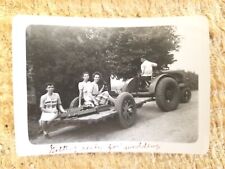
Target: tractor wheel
74,103
126,108
185,95
167,94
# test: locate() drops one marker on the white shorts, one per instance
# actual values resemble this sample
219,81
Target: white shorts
48,116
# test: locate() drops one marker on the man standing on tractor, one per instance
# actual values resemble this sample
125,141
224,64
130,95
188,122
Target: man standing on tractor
146,70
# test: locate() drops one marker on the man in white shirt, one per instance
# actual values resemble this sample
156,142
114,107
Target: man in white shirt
50,104
147,70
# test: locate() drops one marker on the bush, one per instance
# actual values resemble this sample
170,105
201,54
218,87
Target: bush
192,80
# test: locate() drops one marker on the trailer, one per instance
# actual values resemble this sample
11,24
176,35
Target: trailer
168,89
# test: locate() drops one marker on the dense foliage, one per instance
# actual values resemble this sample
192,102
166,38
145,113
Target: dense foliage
192,80
61,54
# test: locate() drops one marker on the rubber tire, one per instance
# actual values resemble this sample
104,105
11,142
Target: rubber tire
74,103
183,98
161,101
119,108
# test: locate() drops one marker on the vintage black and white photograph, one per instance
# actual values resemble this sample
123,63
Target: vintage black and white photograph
97,83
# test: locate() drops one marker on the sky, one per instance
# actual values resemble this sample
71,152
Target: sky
188,56
190,50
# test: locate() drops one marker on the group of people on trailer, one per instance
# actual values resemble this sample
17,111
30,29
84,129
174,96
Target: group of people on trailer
50,103
90,92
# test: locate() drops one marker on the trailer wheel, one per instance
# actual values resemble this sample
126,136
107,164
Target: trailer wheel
74,103
185,95
167,94
126,108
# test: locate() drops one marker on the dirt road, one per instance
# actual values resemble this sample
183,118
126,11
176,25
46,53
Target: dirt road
152,124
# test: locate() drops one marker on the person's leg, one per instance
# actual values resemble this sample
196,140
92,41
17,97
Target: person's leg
45,120
44,127
111,99
40,127
148,80
104,97
89,100
142,82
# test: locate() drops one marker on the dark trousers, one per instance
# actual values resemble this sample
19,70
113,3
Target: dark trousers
144,81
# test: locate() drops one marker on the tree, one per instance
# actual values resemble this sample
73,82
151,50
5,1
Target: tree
61,53
129,44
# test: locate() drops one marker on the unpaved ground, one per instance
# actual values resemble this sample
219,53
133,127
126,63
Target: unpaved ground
152,124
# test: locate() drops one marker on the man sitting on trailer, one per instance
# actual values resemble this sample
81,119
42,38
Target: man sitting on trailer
50,104
84,91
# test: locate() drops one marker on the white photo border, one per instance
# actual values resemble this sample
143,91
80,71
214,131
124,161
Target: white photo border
24,147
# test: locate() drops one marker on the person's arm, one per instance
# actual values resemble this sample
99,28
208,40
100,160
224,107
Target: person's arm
59,103
101,90
80,94
80,97
154,64
142,68
61,109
